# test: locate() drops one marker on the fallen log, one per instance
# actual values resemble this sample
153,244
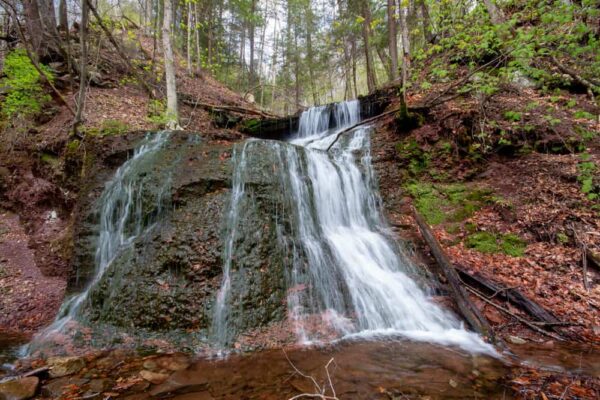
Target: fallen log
186,99
509,294
465,305
593,259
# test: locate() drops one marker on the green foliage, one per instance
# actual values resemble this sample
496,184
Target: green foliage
488,242
25,95
157,113
587,171
513,116
583,115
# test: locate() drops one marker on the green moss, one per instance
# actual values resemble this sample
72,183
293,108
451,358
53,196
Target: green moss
251,126
50,159
484,242
448,203
418,160
487,242
112,127
73,146
428,202
513,245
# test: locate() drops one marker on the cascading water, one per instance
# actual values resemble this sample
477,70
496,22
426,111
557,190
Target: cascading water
124,216
347,276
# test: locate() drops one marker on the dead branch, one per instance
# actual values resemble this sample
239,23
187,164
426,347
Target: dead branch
591,84
363,122
321,391
510,294
467,308
518,318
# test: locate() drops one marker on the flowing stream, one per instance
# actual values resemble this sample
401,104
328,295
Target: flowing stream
347,275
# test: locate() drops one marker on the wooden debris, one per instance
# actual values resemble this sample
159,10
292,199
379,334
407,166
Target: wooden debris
467,308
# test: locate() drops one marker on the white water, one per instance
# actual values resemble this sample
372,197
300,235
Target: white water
121,222
349,272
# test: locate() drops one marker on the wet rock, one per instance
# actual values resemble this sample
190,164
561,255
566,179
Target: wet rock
100,385
19,389
516,340
153,377
63,366
57,387
173,363
189,379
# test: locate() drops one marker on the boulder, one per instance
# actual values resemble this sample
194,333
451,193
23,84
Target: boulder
63,366
154,377
19,389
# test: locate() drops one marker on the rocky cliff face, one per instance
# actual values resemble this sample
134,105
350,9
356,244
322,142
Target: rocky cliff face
168,279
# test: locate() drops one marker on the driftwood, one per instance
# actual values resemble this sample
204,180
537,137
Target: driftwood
467,308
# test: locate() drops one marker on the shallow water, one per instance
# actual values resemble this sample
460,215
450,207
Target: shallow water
359,370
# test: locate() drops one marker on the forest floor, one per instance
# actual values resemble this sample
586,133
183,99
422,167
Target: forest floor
516,216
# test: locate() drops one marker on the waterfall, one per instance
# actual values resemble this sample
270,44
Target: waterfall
347,275
124,217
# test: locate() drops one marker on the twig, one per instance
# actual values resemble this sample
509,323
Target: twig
522,320
322,391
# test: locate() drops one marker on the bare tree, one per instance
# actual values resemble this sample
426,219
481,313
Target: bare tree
172,112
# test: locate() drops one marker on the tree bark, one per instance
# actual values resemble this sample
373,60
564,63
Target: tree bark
63,19
83,33
34,26
172,110
189,38
392,38
366,32
251,33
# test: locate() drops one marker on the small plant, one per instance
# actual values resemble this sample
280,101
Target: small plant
513,116
583,115
587,170
25,94
111,127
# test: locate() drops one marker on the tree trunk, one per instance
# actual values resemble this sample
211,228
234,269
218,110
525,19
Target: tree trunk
309,52
34,25
189,38
353,47
366,32
392,38
405,51
63,19
83,65
251,37
429,37
172,112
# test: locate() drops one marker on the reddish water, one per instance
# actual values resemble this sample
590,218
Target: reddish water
359,370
